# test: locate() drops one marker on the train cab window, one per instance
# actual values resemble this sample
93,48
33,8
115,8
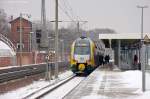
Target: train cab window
82,50
82,47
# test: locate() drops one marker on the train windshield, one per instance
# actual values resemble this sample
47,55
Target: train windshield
82,47
82,50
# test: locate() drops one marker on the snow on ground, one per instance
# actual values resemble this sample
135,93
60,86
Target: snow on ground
64,89
145,95
132,79
22,92
65,74
95,97
17,94
96,85
8,67
147,81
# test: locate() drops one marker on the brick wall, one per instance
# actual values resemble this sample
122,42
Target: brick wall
5,61
15,33
31,58
27,58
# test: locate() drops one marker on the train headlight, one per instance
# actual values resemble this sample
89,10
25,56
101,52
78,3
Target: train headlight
81,67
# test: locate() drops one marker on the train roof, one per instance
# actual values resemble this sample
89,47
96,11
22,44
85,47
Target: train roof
83,38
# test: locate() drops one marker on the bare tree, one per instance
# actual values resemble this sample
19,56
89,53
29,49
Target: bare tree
4,24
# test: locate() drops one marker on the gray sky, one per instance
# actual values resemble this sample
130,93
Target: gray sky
120,15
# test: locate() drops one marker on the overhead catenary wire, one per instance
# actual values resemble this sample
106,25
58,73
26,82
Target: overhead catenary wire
65,7
66,13
69,8
74,15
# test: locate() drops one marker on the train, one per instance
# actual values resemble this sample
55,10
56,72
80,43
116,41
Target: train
86,55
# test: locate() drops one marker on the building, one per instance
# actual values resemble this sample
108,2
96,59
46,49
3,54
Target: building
14,36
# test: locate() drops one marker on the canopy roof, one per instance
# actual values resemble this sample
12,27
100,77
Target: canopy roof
5,51
124,36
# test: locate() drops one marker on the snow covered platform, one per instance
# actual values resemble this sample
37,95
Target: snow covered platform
107,84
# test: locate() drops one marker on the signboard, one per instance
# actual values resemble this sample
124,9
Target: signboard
146,38
149,62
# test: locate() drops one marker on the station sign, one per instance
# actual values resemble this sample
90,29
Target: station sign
146,38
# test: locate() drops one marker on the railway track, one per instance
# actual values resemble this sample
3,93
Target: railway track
20,72
12,75
51,89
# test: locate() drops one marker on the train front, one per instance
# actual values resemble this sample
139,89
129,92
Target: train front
81,56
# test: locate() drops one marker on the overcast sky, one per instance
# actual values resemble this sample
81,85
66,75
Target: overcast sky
121,15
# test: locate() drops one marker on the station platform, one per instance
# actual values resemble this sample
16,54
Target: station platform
105,83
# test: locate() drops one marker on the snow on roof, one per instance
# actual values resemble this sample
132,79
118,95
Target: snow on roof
123,36
18,18
5,51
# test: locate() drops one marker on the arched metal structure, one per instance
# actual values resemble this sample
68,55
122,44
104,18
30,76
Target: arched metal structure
8,42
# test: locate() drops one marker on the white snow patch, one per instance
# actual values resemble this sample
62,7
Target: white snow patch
8,67
65,74
36,85
145,95
21,92
64,89
95,97
133,78
97,83
148,81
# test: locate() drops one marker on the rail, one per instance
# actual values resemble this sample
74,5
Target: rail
49,88
19,72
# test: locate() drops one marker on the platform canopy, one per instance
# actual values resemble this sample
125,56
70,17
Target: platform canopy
5,51
124,36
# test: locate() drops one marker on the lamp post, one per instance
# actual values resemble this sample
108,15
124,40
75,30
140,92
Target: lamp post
31,33
142,8
56,38
142,52
20,36
62,50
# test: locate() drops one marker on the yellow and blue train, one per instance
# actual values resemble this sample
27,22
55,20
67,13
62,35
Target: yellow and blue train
86,55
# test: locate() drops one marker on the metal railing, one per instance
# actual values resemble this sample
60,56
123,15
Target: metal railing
8,42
